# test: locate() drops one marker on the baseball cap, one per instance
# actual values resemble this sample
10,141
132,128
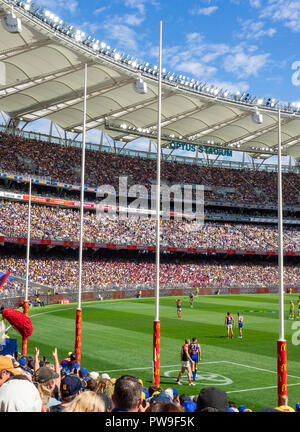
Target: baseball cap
22,361
189,406
6,363
94,375
70,385
83,372
242,408
169,392
212,397
298,407
105,376
175,392
44,374
161,397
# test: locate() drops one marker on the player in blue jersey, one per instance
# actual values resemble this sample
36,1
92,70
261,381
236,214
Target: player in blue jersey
229,323
241,323
195,353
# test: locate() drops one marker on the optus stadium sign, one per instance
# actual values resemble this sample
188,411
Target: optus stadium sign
201,149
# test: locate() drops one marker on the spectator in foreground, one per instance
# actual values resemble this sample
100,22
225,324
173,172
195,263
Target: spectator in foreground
20,395
87,401
127,395
45,378
70,387
7,369
212,397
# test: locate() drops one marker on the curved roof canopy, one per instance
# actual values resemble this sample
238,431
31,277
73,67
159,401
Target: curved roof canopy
44,66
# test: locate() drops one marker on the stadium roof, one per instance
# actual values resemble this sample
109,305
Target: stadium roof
45,79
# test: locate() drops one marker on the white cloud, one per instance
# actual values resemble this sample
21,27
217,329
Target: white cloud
204,11
99,10
284,11
255,30
60,5
124,36
244,64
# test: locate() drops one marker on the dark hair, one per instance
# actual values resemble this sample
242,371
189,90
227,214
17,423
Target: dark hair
164,407
91,384
107,401
184,398
231,404
127,392
152,388
194,339
19,377
209,409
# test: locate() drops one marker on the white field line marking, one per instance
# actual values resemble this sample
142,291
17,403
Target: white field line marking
260,369
258,388
150,367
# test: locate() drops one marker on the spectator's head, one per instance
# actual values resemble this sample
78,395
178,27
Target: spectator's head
212,397
83,372
161,397
127,394
8,368
107,401
184,398
87,401
152,388
161,406
189,406
19,395
70,386
44,377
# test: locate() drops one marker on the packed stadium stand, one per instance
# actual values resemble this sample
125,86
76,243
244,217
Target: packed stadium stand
235,247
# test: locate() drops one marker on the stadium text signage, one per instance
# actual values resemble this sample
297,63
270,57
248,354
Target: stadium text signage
201,149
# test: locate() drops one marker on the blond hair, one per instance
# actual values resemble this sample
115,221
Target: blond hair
87,401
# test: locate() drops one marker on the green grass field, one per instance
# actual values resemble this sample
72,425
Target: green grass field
117,338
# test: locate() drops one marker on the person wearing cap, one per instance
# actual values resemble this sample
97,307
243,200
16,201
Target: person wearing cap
189,406
20,395
84,376
70,387
212,397
45,378
8,368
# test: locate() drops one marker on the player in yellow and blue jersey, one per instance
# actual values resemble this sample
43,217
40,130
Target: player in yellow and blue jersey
195,353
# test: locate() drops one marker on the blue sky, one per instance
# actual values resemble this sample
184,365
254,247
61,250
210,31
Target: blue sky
245,45
238,44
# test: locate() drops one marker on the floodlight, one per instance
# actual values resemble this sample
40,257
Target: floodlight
11,23
140,86
257,117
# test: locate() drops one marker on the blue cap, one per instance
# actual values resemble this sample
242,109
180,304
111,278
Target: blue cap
242,408
232,409
70,385
175,391
22,361
189,406
162,397
298,407
83,372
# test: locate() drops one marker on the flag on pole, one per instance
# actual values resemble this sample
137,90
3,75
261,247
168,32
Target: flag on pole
3,279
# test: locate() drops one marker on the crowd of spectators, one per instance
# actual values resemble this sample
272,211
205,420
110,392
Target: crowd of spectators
117,270
62,163
63,224
28,384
